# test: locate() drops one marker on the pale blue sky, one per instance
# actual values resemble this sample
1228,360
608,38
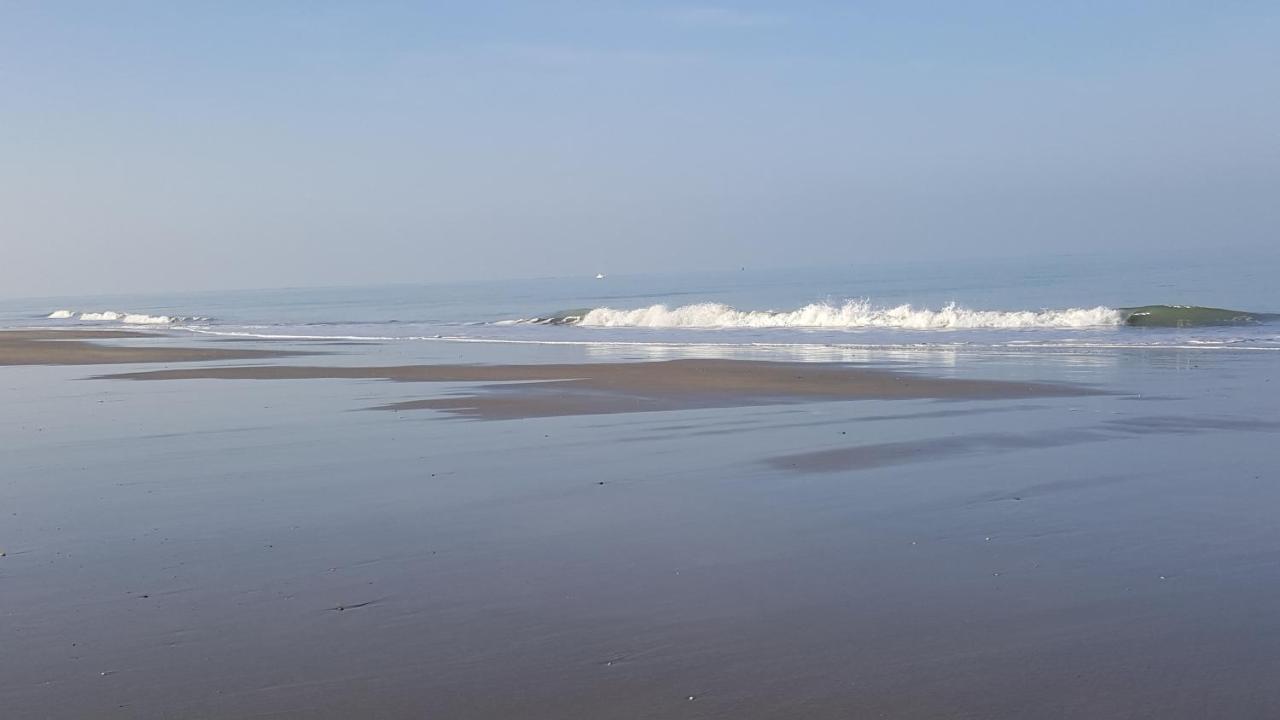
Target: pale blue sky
169,145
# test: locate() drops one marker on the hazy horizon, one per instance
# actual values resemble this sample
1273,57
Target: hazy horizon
152,147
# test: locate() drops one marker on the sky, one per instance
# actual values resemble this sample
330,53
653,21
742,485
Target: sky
152,146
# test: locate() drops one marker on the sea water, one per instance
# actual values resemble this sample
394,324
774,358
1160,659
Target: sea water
1010,304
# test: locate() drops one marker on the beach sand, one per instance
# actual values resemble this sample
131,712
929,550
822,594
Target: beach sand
537,390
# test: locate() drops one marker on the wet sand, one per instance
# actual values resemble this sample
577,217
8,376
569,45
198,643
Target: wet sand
866,457
244,549
84,347
528,391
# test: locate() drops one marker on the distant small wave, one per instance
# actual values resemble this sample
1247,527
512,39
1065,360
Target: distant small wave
127,318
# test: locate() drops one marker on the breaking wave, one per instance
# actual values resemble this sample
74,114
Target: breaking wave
855,314
852,314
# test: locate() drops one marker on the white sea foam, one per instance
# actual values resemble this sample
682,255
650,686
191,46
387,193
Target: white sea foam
105,316
138,319
852,314
61,314
788,347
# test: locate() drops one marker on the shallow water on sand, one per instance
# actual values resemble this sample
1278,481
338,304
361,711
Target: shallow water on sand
201,548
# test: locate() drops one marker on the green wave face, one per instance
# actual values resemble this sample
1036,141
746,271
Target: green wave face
1191,316
564,317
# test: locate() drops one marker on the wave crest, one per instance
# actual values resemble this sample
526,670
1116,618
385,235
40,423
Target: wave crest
852,314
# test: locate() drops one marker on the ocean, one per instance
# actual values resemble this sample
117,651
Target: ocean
1080,304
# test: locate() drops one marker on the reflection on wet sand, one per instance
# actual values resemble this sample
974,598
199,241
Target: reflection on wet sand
864,457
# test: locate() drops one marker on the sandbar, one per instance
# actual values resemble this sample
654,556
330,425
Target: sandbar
546,390
75,347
